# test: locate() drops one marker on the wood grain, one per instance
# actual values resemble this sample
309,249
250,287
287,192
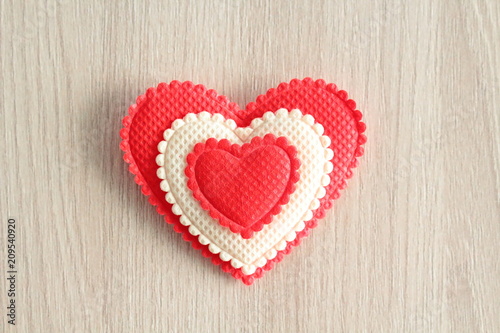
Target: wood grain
411,246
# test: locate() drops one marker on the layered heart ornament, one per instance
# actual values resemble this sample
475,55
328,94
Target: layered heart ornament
244,186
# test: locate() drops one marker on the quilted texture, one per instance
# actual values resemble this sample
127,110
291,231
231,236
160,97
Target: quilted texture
160,107
259,176
254,252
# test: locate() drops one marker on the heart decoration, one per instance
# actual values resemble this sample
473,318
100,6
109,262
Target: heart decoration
259,175
244,186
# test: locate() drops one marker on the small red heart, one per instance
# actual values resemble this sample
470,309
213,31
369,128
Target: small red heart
259,176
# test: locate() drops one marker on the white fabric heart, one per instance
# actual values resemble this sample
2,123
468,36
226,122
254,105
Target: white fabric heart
247,254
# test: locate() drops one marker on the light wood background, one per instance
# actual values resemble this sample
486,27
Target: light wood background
411,246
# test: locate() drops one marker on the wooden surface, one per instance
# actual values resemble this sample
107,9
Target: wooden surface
411,246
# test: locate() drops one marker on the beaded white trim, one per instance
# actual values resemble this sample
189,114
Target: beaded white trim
179,140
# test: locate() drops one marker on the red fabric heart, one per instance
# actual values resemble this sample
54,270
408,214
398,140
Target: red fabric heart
259,176
156,110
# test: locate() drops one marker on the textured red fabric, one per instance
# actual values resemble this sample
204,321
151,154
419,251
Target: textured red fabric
159,107
258,176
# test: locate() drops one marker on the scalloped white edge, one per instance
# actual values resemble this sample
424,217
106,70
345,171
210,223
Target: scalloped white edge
243,133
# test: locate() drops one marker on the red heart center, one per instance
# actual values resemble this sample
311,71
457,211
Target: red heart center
243,186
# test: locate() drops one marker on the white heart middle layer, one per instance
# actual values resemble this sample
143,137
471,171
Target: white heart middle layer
313,153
